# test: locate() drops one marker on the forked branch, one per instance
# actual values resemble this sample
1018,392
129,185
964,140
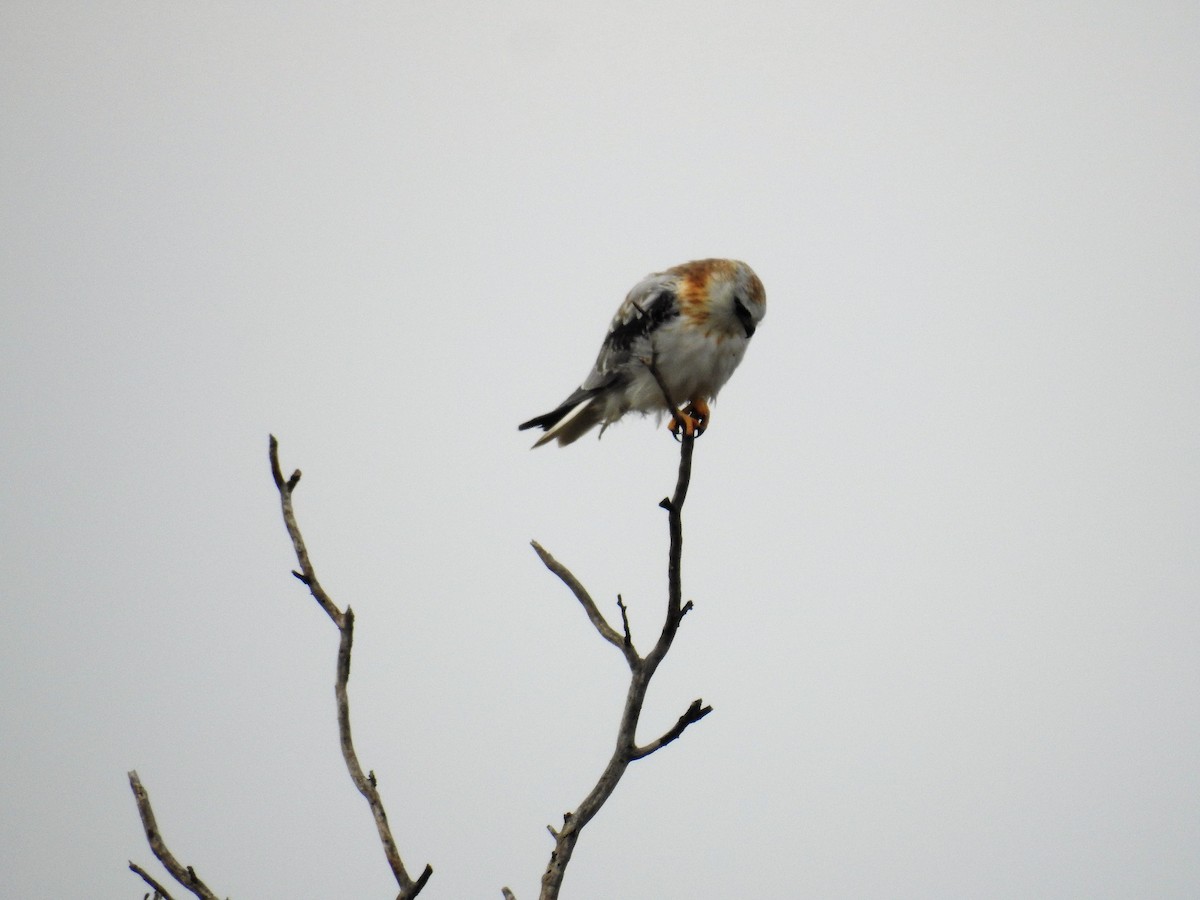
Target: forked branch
160,892
641,671
366,784
344,621
624,644
185,875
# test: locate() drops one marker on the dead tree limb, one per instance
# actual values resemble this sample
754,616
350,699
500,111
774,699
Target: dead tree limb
641,669
160,892
344,621
366,784
185,875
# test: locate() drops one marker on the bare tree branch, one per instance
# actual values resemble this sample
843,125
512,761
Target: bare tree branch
344,621
625,623
641,671
627,750
306,573
585,599
159,890
694,713
185,875
366,784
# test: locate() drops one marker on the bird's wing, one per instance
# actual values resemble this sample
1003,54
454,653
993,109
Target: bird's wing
650,304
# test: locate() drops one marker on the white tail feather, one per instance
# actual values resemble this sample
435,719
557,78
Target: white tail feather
558,427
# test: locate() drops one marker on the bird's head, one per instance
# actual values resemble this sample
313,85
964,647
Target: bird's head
737,299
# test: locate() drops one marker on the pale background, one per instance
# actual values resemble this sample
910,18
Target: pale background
942,536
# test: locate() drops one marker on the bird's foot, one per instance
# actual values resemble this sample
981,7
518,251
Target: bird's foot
691,421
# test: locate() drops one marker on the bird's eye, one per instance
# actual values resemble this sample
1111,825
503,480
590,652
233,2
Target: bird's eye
743,314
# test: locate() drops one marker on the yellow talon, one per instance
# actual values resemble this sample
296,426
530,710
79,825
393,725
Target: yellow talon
691,421
683,424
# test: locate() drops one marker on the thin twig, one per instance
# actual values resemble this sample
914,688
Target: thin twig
585,599
344,621
641,671
185,875
693,713
159,890
625,622
306,573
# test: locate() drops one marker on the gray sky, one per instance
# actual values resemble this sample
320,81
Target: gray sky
942,534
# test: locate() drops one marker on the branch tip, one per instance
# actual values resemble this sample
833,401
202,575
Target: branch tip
625,622
185,875
159,890
276,472
420,884
594,615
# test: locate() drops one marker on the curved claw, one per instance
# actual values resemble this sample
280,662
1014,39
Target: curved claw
692,420
682,424
699,410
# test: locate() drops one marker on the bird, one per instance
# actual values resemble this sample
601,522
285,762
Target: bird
677,337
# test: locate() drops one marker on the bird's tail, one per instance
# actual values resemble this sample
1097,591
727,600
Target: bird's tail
567,423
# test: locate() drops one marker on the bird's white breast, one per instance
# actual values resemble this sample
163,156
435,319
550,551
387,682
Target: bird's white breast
694,362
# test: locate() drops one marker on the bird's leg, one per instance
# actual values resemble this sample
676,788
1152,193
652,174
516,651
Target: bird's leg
681,424
698,409
692,419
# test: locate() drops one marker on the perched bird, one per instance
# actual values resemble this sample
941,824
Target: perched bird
681,332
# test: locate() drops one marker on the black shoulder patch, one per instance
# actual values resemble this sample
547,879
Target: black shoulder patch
659,309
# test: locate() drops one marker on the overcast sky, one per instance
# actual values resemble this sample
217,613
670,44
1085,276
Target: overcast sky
942,536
